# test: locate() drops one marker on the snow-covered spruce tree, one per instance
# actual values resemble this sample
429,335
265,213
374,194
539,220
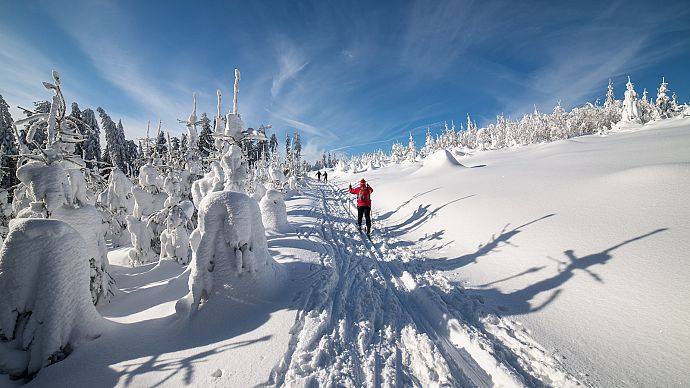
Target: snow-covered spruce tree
297,155
229,244
8,147
630,113
176,217
114,144
206,136
288,155
46,309
663,103
146,223
49,289
646,107
119,202
92,139
411,152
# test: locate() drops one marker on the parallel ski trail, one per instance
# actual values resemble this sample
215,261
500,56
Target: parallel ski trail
373,319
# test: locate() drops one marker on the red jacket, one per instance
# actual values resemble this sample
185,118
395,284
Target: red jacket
363,194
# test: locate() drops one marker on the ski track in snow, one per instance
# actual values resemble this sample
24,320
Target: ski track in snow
373,317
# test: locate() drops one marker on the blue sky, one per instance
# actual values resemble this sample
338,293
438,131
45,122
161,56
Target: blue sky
345,73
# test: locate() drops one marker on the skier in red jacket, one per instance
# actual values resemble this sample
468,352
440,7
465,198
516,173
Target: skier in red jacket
363,193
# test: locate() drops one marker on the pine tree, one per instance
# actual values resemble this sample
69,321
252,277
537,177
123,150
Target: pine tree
77,115
663,103
161,144
92,141
610,98
206,136
8,146
297,155
115,142
273,144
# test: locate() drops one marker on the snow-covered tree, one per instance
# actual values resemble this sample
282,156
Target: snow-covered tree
92,139
114,139
610,96
297,155
663,103
411,151
206,136
8,147
64,275
46,308
630,112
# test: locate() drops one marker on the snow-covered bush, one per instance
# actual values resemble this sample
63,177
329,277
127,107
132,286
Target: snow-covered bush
88,221
231,243
273,211
46,308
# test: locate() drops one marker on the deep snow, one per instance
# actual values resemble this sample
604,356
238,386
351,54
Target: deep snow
550,264
583,241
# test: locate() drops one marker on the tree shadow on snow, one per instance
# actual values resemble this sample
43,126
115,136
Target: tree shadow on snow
149,346
493,245
520,300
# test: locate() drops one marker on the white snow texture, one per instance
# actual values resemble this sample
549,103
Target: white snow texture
46,307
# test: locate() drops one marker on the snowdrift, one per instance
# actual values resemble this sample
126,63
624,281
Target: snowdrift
440,162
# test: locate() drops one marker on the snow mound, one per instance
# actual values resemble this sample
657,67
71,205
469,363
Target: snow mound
229,243
46,307
439,162
273,211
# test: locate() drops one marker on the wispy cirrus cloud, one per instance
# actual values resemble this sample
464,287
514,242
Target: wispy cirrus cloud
290,62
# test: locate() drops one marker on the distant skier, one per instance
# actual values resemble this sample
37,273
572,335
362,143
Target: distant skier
325,176
363,193
318,175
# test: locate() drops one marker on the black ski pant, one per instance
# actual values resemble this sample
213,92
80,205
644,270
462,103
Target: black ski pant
366,212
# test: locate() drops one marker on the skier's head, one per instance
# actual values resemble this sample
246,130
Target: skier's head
362,182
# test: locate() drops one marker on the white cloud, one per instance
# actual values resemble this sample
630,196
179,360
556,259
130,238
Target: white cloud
291,62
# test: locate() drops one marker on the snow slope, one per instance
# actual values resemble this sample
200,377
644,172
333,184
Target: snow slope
583,241
555,264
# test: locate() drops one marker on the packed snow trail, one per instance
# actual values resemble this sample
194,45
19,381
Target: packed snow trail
374,317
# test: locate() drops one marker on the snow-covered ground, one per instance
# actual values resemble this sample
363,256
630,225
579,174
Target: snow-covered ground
583,241
553,264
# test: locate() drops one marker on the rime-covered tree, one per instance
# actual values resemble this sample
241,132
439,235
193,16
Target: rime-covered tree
92,139
411,152
631,111
161,144
8,146
663,103
288,155
35,127
206,136
114,138
273,144
610,97
297,155
132,157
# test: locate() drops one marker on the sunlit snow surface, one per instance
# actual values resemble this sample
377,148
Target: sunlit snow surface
550,264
